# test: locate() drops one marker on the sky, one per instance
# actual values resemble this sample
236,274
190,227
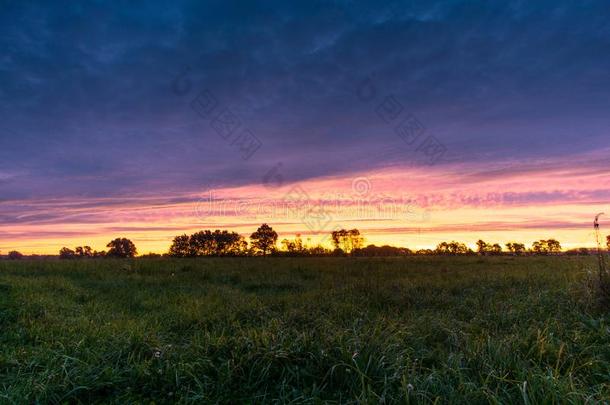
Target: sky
414,121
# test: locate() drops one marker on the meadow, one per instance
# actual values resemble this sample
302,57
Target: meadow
302,330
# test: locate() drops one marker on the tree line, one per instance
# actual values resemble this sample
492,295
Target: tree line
264,242
118,248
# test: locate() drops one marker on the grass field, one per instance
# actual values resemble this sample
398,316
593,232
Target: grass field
404,330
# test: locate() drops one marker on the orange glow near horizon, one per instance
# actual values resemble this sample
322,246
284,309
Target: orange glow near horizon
415,208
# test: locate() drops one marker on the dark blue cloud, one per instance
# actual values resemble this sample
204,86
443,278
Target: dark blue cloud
87,107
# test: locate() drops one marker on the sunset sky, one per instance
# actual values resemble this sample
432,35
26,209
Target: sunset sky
414,121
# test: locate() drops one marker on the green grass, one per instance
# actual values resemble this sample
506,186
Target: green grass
404,330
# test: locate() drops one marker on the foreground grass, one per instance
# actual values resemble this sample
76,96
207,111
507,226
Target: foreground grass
410,330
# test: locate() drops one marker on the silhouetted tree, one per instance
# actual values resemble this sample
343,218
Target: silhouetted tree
294,247
495,249
66,254
121,247
546,246
264,239
83,251
608,241
347,241
484,248
229,243
217,243
451,248
383,251
79,252
202,243
554,246
15,255
208,243
442,248
481,247
515,248
180,246
318,251
287,245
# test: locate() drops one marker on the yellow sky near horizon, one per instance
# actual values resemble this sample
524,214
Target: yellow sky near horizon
414,208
